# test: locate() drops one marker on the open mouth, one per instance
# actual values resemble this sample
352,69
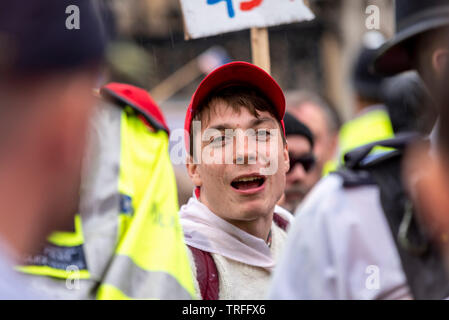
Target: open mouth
248,183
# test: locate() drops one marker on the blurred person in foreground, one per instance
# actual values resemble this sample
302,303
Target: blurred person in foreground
302,160
409,104
125,241
45,103
427,180
357,235
324,122
426,172
237,161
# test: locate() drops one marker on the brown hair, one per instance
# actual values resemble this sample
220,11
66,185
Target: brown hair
235,97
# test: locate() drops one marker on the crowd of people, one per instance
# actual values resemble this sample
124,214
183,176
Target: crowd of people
287,201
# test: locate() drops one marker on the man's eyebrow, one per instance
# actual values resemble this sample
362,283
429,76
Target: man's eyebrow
259,121
222,127
253,123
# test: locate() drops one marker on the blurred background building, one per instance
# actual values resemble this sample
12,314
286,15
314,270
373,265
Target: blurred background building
315,55
312,55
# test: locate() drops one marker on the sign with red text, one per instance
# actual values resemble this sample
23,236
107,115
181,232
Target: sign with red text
210,17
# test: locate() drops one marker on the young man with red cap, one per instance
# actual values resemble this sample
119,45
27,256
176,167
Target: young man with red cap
237,161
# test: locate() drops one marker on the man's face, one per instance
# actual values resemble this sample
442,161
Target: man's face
325,142
70,126
431,58
47,146
233,190
425,173
297,186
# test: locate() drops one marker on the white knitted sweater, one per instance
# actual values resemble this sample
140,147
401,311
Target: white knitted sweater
239,281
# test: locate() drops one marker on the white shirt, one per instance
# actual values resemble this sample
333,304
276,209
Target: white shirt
340,247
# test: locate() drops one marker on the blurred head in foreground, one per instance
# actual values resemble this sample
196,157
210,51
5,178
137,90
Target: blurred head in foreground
427,174
409,104
50,58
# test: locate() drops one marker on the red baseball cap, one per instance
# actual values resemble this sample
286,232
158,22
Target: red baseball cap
236,73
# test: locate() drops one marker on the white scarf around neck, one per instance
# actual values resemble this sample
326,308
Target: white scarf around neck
206,231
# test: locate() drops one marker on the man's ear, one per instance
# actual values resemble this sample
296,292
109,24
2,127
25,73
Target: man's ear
286,158
439,61
193,171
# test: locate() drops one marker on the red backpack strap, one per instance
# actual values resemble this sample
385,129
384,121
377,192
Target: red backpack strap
280,222
206,274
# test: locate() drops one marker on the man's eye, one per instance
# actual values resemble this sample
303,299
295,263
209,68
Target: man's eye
220,140
263,134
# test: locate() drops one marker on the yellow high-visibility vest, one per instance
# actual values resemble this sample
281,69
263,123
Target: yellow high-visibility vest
128,242
371,126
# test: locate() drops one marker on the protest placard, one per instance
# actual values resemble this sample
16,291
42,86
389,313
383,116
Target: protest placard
210,17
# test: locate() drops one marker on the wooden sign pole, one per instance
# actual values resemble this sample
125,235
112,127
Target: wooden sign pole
175,82
260,48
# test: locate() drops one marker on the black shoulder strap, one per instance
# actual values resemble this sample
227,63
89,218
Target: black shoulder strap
421,260
354,173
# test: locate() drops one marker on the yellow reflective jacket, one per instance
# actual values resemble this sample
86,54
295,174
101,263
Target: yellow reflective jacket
372,125
127,241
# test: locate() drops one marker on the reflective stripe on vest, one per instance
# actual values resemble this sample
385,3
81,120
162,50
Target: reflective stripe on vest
62,257
135,282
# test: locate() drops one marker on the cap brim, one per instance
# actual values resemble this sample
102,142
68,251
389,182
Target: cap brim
240,73
394,57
